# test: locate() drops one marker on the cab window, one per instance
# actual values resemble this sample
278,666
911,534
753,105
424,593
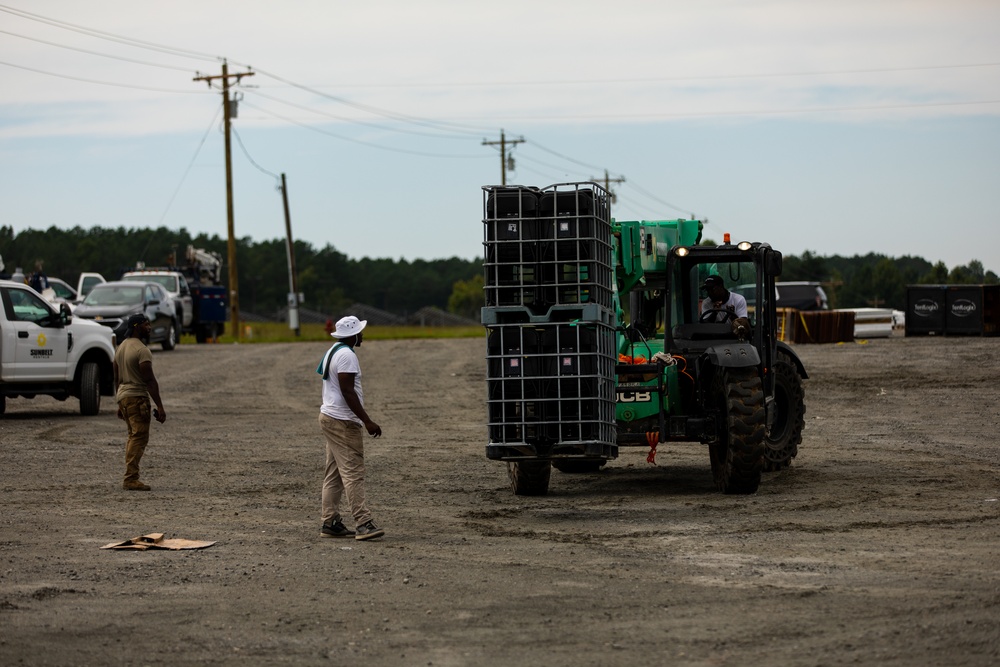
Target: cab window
23,306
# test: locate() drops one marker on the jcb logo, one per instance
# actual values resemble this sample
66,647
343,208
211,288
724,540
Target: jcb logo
634,397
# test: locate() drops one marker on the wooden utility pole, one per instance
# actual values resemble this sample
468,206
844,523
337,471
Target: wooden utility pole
503,152
227,114
293,281
607,184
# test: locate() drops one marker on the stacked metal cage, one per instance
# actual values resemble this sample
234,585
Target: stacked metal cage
549,321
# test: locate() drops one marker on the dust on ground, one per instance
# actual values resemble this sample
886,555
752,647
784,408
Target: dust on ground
878,546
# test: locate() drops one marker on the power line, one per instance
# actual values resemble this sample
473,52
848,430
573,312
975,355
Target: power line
356,141
661,79
455,127
190,164
239,140
100,34
745,112
664,202
564,157
96,53
102,83
256,92
528,158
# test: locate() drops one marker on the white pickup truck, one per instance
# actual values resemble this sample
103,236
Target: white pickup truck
45,351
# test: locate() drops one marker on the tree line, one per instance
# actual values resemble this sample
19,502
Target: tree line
331,281
876,280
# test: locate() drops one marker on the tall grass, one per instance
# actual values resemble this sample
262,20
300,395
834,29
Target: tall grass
278,332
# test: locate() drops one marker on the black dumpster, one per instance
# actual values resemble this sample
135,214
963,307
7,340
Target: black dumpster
926,306
953,310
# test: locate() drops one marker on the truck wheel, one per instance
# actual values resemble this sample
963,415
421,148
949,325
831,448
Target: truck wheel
781,443
173,335
738,454
578,465
90,389
529,478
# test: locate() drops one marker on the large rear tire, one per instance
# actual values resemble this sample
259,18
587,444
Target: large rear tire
738,453
90,389
782,441
529,478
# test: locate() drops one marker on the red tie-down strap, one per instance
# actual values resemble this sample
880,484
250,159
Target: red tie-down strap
652,437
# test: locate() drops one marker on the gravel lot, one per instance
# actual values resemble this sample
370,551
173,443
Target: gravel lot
880,545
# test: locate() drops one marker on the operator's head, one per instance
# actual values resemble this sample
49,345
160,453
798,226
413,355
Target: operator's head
715,288
349,330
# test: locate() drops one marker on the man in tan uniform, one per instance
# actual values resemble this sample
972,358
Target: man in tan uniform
135,384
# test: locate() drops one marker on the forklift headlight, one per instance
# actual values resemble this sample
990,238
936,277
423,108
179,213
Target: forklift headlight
681,251
744,245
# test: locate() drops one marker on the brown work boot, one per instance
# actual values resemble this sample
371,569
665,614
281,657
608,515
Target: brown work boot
135,486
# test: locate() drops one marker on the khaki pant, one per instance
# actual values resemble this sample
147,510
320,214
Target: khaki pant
345,469
137,415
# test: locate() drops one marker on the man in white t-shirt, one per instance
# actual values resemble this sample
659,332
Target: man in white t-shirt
342,418
729,304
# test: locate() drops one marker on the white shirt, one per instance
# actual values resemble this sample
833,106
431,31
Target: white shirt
735,304
344,361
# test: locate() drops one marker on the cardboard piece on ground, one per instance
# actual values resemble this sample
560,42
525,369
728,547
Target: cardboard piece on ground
156,541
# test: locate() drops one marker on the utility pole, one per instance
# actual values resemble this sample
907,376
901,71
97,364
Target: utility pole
227,114
293,281
503,153
607,184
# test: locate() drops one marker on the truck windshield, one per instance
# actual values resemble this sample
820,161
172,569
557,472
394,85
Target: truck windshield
737,277
114,296
168,282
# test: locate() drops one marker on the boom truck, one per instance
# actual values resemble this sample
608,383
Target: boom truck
597,339
196,290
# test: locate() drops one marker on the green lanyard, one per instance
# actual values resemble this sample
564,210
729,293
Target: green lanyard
324,369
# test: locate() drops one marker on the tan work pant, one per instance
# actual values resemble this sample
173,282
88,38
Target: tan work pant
137,414
345,469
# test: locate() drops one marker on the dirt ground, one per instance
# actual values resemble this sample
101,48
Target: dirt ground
880,545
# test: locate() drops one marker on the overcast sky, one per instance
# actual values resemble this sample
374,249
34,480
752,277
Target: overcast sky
842,127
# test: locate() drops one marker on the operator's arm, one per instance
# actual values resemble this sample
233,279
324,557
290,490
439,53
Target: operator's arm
346,382
741,305
153,387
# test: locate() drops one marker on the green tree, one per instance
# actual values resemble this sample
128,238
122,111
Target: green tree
888,288
972,273
467,297
938,275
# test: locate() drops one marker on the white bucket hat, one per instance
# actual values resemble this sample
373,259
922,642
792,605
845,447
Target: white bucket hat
349,326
